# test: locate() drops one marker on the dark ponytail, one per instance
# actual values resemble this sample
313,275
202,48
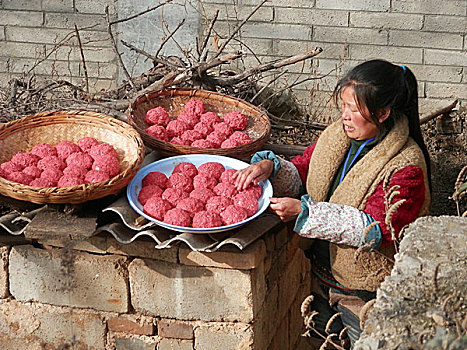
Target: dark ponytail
379,84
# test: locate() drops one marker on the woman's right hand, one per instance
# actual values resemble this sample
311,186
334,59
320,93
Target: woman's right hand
254,173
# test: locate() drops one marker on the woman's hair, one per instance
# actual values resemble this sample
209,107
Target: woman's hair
379,84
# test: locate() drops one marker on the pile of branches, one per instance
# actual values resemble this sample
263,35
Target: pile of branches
203,69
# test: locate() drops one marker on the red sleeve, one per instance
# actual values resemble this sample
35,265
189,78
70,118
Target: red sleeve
302,162
412,189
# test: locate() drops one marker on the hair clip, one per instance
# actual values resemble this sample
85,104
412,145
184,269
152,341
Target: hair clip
403,68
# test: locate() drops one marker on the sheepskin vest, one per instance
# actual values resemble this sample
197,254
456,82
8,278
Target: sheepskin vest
366,270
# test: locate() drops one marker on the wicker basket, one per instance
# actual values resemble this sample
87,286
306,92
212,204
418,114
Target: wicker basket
173,101
55,126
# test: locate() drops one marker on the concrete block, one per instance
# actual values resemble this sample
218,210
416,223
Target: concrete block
21,5
350,35
133,344
143,249
365,5
95,244
330,50
450,24
2,33
22,50
4,252
175,344
224,336
445,57
315,17
443,90
291,276
57,5
38,35
96,7
393,54
238,13
54,327
386,20
167,328
21,18
434,73
430,7
63,277
186,292
228,258
68,20
267,320
276,31
131,324
425,39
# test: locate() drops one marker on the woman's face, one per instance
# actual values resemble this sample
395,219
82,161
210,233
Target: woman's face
355,125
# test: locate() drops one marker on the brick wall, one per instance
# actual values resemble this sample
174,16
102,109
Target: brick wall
428,36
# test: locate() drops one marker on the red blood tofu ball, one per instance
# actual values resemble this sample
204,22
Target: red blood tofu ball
44,149
227,176
19,177
186,168
107,164
190,205
51,162
33,171
203,128
190,136
79,159
25,159
178,141
176,128
236,120
103,149
86,143
195,107
247,201
158,132
218,204
9,167
216,139
174,195
223,128
190,119
202,194
52,174
229,144
240,137
156,207
253,190
75,171
155,178
68,181
149,191
40,182
157,116
93,176
233,214
206,219
211,169
210,118
182,181
225,189
65,148
202,144
202,181
177,217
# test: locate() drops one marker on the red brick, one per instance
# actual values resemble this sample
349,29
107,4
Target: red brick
132,326
175,329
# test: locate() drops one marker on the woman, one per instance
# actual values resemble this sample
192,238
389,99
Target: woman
375,145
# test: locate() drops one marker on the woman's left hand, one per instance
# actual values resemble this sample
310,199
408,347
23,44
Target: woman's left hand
286,208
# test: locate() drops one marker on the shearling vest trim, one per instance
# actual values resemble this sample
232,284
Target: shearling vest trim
396,151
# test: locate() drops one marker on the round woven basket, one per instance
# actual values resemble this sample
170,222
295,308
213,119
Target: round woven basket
55,126
173,101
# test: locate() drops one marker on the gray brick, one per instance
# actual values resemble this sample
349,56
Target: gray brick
92,6
62,20
186,292
350,35
437,73
13,49
238,13
21,5
425,39
390,53
436,7
47,67
4,251
18,18
38,35
264,30
386,20
311,16
2,33
440,90
224,336
255,45
133,344
82,280
448,24
99,69
365,5
175,344
32,324
57,5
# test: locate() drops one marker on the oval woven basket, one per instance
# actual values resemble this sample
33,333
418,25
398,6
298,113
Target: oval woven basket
55,126
173,101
